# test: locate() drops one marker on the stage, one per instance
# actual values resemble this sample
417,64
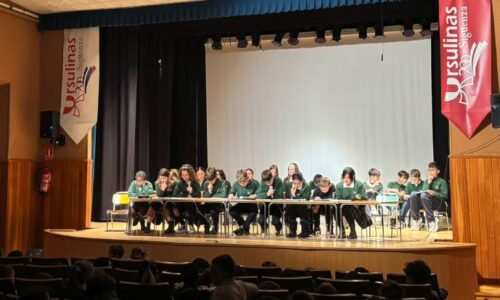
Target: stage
453,262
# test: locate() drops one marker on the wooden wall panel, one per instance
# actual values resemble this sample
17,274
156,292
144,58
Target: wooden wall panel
475,187
3,201
68,204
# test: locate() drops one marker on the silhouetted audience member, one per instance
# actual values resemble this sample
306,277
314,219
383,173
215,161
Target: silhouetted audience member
391,290
79,273
269,264
190,276
226,287
326,289
116,251
417,272
100,286
300,295
269,285
15,253
6,271
148,272
138,253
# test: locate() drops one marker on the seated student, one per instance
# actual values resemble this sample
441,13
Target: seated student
251,177
226,287
299,189
173,178
292,169
163,188
187,187
351,189
433,198
213,188
413,191
398,187
270,188
315,182
243,188
116,251
324,190
222,176
201,175
140,187
418,272
373,186
391,290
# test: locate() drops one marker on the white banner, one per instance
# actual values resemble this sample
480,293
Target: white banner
80,81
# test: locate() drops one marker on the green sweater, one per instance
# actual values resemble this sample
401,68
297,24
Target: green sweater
396,186
145,190
355,193
303,193
263,188
439,186
181,190
168,193
410,187
243,191
219,189
378,188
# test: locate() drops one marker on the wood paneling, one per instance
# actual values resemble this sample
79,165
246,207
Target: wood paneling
475,187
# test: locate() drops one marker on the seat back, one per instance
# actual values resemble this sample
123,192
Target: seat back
43,261
170,277
7,286
120,198
417,290
343,286
340,274
434,282
14,260
31,271
372,276
292,283
55,287
317,296
278,294
170,266
262,271
323,273
126,264
133,291
399,278
107,270
251,279
126,275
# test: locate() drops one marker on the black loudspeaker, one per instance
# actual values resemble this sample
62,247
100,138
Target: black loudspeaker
49,124
495,110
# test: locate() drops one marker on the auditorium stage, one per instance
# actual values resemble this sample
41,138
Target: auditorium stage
453,262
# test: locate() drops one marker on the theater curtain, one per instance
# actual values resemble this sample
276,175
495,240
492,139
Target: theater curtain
152,108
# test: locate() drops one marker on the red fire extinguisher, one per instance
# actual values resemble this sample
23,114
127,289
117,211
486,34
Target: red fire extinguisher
44,177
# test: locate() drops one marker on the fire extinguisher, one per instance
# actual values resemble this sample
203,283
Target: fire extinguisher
44,177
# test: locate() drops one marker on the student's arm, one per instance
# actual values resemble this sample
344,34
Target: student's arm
262,191
233,192
360,191
221,191
132,190
196,190
338,191
442,191
306,193
177,190
147,189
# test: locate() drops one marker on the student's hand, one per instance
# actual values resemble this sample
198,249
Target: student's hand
293,191
317,198
189,190
371,191
210,188
231,196
431,192
163,186
270,191
401,194
406,197
253,197
430,179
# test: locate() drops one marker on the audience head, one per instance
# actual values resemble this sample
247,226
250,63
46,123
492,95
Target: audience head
200,174
267,177
163,176
190,275
269,285
326,289
116,251
187,173
174,175
414,176
249,173
140,178
138,253
325,185
348,175
201,264
317,179
417,272
300,295
220,174
373,175
269,264
211,175
274,170
292,169
403,176
81,270
6,271
433,169
391,290
222,269
100,286
15,253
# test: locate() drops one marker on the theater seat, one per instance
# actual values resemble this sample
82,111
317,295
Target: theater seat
55,287
262,271
317,296
278,294
133,291
292,283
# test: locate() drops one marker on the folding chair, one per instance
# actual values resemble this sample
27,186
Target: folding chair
121,204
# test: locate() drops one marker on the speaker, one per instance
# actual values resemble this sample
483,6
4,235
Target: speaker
495,110
49,124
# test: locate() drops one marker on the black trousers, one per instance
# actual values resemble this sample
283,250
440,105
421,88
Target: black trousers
298,211
249,209
323,210
276,213
213,210
348,212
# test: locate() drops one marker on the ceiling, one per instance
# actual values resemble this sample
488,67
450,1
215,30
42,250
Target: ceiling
57,6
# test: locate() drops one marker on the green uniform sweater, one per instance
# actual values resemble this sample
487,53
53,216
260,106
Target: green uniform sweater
135,190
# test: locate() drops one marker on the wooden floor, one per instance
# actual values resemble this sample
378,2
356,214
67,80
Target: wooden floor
453,262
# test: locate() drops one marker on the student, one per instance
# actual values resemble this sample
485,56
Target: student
201,175
271,188
250,176
432,198
163,189
174,178
351,189
398,187
373,186
222,176
315,182
243,188
140,187
413,191
299,189
324,190
187,187
292,169
213,188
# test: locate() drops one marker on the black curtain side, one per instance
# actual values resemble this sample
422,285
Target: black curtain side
151,109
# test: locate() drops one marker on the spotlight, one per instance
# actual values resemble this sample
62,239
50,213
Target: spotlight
216,43
426,28
294,38
277,39
242,41
256,40
379,31
408,29
336,34
320,37
362,32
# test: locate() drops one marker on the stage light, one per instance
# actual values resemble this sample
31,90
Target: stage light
320,37
336,34
293,39
277,39
256,40
216,43
426,28
379,31
242,41
408,29
362,32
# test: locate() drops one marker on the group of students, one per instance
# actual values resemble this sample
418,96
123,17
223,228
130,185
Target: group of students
415,194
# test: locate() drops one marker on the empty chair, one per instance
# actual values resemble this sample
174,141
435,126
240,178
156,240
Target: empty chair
278,294
317,296
7,286
126,264
55,287
56,271
251,279
340,274
126,275
170,266
399,278
133,291
417,290
44,261
170,277
343,286
14,260
292,283
262,271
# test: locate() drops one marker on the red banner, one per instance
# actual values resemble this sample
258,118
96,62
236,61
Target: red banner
465,33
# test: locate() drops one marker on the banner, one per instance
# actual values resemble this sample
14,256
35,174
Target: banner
465,33
80,81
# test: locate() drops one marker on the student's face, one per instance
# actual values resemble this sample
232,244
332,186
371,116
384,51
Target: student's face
212,181
268,182
414,179
374,178
291,170
200,175
402,180
433,172
244,182
185,175
250,174
347,180
274,172
297,183
218,175
163,179
324,189
140,181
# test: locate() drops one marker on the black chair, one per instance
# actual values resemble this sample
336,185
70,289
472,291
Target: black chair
372,276
321,273
262,271
399,278
44,261
317,296
7,286
55,287
170,277
340,274
417,290
133,291
107,270
11,297
292,283
251,279
434,283
73,260
126,264
14,260
343,286
170,266
278,294
126,275
55,271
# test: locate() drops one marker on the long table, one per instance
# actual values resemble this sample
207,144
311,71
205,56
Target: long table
335,204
